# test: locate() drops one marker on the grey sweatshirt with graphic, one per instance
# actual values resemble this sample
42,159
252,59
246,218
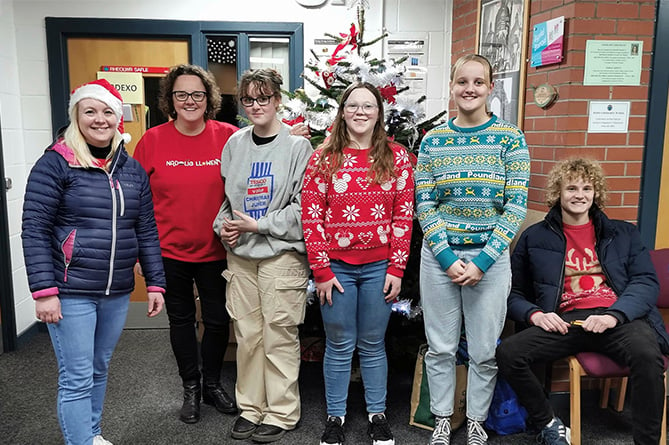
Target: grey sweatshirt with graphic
265,182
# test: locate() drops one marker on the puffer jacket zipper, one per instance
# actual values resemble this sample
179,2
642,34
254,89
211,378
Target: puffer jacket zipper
112,255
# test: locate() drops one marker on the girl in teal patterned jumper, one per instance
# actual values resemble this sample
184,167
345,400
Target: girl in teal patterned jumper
471,196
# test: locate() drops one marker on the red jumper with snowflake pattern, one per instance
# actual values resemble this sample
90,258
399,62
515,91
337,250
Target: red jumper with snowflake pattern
349,218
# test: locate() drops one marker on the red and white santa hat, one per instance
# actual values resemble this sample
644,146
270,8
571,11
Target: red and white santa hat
105,92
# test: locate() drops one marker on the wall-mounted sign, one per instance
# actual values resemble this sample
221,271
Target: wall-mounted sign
412,47
130,85
613,62
547,38
608,116
136,69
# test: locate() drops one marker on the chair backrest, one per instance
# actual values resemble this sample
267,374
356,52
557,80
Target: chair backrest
660,258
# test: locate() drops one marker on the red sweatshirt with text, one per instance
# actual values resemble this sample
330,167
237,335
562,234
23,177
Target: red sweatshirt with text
348,217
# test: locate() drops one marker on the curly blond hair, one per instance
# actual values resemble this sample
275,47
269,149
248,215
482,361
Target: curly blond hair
574,169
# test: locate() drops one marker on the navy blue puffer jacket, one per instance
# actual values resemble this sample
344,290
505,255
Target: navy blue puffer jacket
85,228
538,262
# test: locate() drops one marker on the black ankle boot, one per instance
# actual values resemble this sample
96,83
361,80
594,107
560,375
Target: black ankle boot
190,410
214,394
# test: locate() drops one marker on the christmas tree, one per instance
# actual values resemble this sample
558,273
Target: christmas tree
350,62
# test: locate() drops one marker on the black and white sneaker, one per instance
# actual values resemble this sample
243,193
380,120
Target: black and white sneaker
334,432
379,431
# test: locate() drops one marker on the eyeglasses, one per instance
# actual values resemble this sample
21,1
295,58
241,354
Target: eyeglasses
182,96
247,101
366,108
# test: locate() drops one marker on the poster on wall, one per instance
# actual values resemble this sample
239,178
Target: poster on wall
130,85
613,62
547,38
501,39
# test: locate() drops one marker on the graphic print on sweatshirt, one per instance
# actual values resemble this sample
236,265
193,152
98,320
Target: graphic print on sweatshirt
259,189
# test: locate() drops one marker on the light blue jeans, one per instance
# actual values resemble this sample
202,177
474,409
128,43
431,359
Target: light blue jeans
358,317
83,342
484,309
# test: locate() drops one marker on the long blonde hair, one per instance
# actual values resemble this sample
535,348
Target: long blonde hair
383,165
75,140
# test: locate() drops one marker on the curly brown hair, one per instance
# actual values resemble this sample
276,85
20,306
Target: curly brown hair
383,166
574,169
166,101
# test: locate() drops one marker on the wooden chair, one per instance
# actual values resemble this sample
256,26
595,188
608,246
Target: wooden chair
597,365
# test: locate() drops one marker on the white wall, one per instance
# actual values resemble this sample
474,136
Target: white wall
13,141
24,94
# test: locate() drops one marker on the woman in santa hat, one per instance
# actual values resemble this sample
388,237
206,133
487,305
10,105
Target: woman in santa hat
87,218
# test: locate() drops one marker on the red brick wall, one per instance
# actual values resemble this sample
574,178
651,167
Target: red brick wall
561,130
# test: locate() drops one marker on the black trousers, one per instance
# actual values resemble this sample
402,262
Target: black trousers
180,305
633,344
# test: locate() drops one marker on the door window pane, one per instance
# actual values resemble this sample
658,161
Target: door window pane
271,52
222,62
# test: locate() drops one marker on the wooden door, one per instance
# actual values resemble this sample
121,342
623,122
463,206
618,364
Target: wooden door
85,57
662,232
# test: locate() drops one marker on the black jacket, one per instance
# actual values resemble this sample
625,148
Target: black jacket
538,263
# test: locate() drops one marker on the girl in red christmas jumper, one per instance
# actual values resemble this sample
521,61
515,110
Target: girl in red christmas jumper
357,210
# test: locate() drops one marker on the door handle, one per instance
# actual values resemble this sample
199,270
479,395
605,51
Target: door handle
8,183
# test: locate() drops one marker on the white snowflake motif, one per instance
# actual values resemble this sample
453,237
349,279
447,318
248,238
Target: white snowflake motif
350,160
322,257
406,208
424,196
457,191
462,140
378,212
454,240
314,211
328,215
490,139
484,237
434,141
443,235
399,257
485,191
402,157
351,213
496,244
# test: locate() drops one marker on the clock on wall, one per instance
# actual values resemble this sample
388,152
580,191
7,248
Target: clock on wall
311,2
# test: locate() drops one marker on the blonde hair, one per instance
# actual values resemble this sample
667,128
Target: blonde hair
487,68
75,140
332,155
574,169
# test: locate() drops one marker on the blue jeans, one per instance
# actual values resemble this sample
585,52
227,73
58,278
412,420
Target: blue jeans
83,342
358,317
483,307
